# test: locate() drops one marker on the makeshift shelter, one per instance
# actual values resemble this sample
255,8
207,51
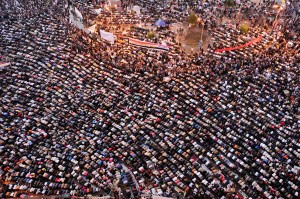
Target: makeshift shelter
137,9
160,23
108,36
75,18
91,29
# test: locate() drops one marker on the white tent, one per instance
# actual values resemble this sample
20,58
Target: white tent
137,9
75,18
91,29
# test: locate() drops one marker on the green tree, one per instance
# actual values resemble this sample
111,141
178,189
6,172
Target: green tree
150,35
192,19
244,27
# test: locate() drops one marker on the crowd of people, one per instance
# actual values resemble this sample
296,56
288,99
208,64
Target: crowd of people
78,115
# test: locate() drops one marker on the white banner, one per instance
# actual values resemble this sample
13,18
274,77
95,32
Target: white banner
108,36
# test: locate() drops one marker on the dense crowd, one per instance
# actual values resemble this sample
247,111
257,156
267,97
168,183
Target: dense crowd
77,111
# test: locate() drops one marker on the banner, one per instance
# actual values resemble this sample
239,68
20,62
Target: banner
108,36
145,44
240,47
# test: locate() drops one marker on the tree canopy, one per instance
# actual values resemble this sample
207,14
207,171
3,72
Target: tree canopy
192,19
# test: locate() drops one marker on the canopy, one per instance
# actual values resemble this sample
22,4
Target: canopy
108,36
91,29
137,9
75,18
160,23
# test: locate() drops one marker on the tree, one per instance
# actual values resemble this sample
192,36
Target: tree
192,19
150,35
244,27
230,3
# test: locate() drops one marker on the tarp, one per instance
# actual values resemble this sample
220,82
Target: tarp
137,9
160,23
241,46
108,36
145,44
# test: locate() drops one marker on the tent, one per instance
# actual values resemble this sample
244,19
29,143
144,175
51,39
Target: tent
75,18
108,36
91,29
137,9
160,23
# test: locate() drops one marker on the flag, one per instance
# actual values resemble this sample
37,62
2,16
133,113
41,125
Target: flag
108,36
146,44
256,40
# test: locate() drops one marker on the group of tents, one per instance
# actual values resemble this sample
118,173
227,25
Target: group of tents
76,18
